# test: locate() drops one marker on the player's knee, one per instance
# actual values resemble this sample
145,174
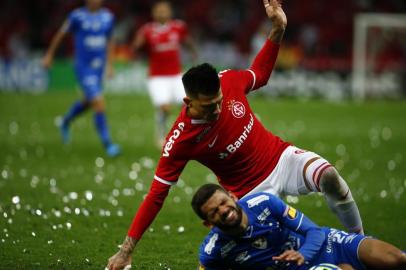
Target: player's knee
332,184
98,105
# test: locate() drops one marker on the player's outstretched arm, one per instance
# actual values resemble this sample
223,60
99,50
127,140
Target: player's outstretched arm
265,60
278,18
122,258
56,41
147,212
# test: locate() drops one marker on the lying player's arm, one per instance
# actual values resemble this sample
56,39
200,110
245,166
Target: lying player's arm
55,42
265,60
298,222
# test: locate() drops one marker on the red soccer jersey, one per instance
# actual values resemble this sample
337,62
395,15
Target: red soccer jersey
239,150
163,42
236,147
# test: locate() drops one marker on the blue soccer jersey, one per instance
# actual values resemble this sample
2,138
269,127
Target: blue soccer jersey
92,32
272,228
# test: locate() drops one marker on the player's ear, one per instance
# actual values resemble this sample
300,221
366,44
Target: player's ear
207,224
232,195
187,101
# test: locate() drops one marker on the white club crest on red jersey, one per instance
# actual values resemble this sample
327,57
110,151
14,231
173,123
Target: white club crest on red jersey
172,138
236,108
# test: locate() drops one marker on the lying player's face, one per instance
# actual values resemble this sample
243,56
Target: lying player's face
162,12
222,211
208,107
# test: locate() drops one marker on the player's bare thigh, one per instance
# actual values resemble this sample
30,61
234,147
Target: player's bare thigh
377,254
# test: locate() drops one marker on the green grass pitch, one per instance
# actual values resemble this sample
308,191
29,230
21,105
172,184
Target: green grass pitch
68,207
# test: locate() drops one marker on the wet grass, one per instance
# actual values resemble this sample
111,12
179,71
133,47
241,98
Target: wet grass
68,207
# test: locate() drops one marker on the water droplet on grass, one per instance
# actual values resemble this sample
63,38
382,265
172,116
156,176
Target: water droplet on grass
99,162
15,199
88,195
383,194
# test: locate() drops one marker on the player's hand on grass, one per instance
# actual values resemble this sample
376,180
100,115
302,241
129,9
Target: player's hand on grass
122,259
290,256
119,261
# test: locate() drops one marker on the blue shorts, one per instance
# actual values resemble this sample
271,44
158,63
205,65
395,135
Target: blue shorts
90,81
340,248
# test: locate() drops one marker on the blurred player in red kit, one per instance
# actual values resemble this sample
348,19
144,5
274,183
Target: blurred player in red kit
163,39
218,129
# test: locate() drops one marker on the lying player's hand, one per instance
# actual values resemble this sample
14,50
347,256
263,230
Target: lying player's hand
119,261
290,256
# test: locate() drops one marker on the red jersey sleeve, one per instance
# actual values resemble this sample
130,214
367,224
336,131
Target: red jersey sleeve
171,164
257,75
241,81
263,64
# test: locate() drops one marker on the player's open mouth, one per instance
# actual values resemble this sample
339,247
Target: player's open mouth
231,216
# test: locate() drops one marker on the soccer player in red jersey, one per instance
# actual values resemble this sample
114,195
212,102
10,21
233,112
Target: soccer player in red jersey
163,39
218,129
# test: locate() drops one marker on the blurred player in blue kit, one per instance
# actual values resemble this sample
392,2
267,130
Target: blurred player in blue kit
261,232
92,27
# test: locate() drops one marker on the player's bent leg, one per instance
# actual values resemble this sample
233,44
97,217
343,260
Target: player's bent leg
377,254
161,123
75,110
340,200
100,121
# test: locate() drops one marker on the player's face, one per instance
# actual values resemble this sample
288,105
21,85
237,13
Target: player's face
162,12
222,211
94,4
208,107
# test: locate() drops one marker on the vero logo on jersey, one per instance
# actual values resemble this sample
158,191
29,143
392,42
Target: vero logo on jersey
171,140
236,108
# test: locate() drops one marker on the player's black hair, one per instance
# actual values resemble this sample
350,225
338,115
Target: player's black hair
202,79
202,195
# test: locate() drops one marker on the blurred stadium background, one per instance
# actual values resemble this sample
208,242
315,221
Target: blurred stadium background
316,58
68,207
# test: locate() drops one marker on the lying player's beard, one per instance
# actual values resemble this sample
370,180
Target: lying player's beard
235,224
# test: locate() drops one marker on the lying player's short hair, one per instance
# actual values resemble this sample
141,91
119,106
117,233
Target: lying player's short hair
202,79
202,195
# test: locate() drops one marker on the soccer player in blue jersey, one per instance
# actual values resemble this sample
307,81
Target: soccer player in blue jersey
261,232
92,29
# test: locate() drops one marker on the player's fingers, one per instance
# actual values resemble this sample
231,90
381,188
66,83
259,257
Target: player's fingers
280,257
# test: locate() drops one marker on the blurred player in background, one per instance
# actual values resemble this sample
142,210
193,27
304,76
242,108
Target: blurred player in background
261,232
163,39
92,28
218,129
